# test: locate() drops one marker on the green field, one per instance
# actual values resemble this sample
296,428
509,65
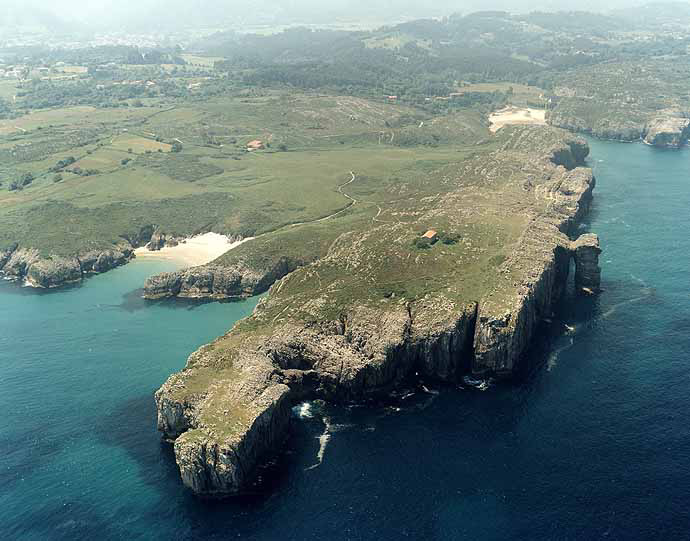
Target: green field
313,145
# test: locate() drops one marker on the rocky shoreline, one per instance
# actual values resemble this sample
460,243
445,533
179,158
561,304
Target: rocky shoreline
34,269
216,282
27,265
229,409
670,130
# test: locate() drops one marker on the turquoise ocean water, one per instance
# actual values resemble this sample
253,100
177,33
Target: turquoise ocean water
592,441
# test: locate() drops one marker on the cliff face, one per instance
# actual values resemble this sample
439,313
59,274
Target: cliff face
53,271
587,271
50,272
505,329
229,408
670,129
360,355
669,132
212,281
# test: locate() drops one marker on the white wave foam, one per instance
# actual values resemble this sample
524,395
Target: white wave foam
324,438
615,307
553,357
479,384
303,410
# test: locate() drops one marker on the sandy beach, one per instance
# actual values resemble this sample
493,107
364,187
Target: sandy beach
194,251
515,115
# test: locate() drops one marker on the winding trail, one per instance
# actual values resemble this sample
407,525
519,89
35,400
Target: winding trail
353,202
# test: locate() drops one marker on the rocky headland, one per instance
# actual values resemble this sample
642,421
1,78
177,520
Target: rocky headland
664,129
669,132
28,265
380,308
49,271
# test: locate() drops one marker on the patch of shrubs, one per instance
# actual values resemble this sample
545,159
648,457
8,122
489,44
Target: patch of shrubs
21,182
449,238
423,243
85,172
59,166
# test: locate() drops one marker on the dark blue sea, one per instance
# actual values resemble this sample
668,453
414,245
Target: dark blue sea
591,442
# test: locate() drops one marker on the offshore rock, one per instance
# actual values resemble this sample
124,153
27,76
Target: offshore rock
587,271
667,132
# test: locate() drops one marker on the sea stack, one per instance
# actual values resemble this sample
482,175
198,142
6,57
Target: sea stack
586,251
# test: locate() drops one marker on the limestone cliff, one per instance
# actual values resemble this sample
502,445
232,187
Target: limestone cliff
374,312
214,281
667,128
670,132
49,272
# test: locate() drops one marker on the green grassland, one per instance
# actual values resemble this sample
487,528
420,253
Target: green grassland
519,94
314,144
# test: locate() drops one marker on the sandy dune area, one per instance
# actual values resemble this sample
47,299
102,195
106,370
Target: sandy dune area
195,251
515,115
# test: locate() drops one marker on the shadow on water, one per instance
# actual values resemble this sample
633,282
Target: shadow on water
132,427
574,315
70,520
31,449
133,301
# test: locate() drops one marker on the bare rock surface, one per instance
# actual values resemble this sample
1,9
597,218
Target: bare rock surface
671,132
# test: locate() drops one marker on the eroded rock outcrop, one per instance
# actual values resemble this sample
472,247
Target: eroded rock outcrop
102,261
670,132
216,282
18,263
159,239
6,253
36,270
51,272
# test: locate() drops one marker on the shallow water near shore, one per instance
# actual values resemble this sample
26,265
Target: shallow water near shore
592,442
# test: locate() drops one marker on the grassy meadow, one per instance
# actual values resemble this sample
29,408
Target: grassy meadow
186,169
